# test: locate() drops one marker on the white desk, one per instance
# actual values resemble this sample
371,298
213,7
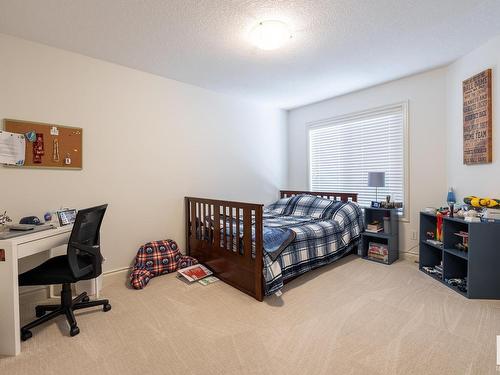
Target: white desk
15,249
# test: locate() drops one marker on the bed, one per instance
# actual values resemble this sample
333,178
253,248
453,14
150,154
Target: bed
257,250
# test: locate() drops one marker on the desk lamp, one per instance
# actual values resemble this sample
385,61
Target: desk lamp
376,180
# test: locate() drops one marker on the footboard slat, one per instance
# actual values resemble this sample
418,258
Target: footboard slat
232,246
193,219
226,248
224,233
217,238
238,225
201,219
259,244
247,233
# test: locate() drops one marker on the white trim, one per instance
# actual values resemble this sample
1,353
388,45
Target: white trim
411,257
406,155
406,146
117,270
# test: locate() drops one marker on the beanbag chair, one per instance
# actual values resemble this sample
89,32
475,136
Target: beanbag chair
157,258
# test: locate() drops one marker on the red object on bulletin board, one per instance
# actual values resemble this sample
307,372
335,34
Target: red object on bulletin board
38,149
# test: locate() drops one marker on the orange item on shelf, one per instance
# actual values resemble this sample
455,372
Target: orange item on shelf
439,227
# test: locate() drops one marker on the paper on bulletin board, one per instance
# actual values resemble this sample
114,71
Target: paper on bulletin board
12,148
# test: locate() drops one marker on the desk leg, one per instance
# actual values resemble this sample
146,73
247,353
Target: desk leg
96,285
52,294
10,340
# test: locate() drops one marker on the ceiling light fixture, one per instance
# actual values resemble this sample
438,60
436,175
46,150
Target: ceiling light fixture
269,35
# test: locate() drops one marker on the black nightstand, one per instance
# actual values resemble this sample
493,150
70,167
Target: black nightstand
390,238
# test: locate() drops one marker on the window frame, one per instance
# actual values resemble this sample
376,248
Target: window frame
404,215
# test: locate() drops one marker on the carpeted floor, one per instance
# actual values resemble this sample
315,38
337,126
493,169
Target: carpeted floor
353,317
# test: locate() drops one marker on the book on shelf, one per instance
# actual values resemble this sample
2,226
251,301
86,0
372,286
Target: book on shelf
378,252
378,248
374,231
374,227
194,273
383,252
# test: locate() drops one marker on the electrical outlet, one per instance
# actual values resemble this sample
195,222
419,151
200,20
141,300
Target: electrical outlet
414,235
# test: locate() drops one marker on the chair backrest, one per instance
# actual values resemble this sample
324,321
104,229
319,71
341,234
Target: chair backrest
84,252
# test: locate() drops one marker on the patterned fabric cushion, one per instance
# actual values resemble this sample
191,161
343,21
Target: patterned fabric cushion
157,258
139,278
307,205
279,206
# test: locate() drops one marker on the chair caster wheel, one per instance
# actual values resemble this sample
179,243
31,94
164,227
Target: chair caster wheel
26,335
74,331
39,312
86,299
106,307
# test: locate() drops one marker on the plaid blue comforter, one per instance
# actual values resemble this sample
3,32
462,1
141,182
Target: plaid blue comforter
325,231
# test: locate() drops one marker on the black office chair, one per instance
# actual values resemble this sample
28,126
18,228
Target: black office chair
82,262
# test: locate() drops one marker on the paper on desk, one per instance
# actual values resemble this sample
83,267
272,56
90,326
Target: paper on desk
12,146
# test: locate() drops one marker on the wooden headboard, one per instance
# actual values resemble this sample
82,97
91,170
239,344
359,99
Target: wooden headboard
344,197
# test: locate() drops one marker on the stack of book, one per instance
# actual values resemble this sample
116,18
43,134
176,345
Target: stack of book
491,215
374,227
378,251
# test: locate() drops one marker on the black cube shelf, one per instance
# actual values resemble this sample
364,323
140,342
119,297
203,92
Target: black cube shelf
390,238
480,264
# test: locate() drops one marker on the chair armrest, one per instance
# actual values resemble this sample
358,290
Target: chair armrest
94,250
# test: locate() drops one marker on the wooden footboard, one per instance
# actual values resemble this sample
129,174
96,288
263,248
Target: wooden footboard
231,251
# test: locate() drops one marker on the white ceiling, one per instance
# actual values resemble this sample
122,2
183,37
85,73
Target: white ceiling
339,45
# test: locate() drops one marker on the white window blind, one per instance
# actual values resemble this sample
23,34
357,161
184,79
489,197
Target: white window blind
343,150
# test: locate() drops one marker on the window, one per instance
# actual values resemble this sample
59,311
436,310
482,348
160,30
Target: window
343,150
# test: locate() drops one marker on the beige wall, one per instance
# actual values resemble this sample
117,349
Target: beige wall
482,180
427,134
148,142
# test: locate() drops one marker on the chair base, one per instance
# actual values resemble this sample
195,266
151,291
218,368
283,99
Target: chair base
67,308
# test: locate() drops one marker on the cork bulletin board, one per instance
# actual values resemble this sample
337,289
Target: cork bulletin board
51,145
478,119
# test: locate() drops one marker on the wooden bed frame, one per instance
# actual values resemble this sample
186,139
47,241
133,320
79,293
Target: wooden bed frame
237,268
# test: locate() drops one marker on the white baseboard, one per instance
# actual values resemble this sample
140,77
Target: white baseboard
115,271
412,257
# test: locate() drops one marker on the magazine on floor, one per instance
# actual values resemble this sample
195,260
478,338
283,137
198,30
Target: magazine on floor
194,273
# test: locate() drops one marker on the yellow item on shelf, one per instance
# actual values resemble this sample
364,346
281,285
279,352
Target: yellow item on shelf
482,202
